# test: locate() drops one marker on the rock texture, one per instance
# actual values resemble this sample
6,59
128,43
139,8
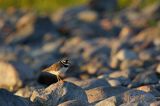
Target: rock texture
8,99
114,52
59,93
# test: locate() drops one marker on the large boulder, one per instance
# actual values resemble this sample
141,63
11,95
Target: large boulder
73,103
128,97
58,93
13,75
91,83
100,93
8,99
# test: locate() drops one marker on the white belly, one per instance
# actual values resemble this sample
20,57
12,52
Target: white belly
61,71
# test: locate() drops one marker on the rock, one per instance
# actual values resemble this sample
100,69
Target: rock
13,75
145,56
137,103
130,64
158,68
91,83
24,29
103,5
7,53
25,92
87,16
129,97
100,93
105,102
25,20
73,103
125,33
115,63
146,77
151,11
8,99
58,93
96,65
125,54
114,82
149,89
144,35
155,103
117,74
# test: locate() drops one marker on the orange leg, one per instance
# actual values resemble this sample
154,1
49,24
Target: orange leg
60,79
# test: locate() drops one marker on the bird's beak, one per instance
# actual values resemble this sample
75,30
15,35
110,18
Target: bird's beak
44,70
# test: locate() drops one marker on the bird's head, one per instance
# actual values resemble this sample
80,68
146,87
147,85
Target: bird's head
66,62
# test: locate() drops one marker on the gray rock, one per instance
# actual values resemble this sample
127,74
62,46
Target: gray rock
126,54
8,99
103,5
73,103
87,16
158,68
155,103
138,103
92,83
129,64
58,93
105,102
24,28
114,82
25,92
123,76
149,89
130,97
146,77
100,93
7,53
13,75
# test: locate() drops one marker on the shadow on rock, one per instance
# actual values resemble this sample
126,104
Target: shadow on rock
8,99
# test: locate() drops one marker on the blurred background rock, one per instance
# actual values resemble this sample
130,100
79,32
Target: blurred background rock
114,46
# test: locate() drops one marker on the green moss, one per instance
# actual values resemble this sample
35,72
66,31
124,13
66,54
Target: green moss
123,3
40,5
138,3
51,5
152,22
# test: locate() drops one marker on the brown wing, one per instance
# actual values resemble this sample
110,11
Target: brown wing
54,67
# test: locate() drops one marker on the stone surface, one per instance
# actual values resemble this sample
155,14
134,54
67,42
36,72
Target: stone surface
87,16
128,98
149,89
8,99
111,46
155,103
114,82
92,83
126,55
59,93
100,93
25,92
73,103
13,74
158,68
146,77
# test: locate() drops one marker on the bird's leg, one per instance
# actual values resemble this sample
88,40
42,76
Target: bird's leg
57,78
60,79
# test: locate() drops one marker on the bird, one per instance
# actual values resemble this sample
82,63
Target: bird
58,68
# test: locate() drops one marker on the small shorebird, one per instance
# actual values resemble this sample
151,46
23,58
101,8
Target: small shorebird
58,68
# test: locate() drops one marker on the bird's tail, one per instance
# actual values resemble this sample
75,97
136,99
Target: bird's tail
44,70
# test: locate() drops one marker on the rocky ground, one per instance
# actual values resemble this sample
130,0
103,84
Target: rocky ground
115,56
